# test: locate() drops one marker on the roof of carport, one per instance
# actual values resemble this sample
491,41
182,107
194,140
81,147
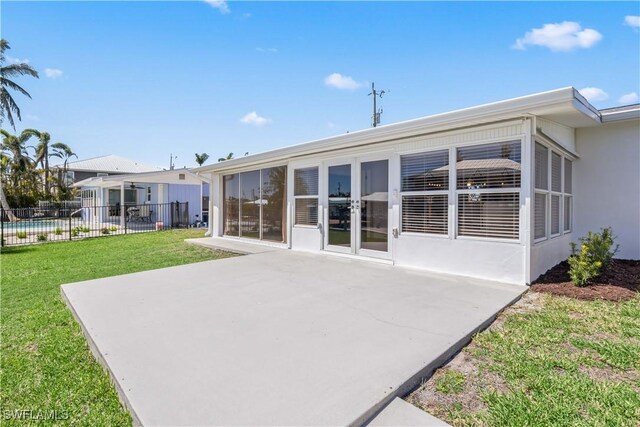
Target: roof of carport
175,176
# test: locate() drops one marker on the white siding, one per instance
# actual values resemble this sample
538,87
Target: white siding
563,135
187,193
606,184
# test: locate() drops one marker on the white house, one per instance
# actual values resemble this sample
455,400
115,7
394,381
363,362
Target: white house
496,191
156,189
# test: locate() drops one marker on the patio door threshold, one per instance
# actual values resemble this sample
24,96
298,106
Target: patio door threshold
358,257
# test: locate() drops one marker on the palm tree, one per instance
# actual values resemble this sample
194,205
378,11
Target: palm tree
7,105
42,155
229,157
201,158
17,163
63,152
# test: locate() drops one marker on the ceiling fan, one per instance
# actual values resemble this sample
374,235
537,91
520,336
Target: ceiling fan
133,186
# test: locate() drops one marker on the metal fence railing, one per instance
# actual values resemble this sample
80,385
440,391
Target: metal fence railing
55,223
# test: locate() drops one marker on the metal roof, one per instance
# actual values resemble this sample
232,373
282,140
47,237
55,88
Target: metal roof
110,164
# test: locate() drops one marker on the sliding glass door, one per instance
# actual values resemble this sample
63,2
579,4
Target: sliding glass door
255,204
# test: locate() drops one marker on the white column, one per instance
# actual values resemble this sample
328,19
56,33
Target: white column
122,207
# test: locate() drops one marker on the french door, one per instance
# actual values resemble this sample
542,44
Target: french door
358,206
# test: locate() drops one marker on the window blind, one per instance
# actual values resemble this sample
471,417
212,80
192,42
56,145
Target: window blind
489,215
489,166
540,216
567,175
425,172
555,214
556,172
567,212
305,182
425,213
541,167
306,211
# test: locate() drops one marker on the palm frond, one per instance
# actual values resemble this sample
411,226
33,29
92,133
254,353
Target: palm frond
19,69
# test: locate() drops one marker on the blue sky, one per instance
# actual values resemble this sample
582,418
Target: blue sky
147,79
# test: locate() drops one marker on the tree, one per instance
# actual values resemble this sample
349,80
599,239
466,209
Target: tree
42,155
229,157
8,106
201,158
17,163
63,152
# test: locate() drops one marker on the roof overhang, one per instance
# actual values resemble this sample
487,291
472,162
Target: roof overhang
565,106
175,176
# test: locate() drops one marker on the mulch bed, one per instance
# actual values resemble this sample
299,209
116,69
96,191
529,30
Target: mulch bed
620,281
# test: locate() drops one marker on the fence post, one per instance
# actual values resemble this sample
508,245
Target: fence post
171,213
1,226
186,213
70,233
125,225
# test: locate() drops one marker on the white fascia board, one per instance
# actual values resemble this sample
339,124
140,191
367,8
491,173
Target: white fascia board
482,114
616,116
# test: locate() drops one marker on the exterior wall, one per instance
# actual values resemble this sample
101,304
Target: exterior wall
187,193
565,136
494,259
607,183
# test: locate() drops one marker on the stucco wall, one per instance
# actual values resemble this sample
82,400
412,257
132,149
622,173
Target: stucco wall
607,183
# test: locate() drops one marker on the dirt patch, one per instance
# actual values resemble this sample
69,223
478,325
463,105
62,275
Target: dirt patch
529,302
620,281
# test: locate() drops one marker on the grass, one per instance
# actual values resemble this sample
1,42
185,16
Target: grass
562,363
451,382
46,363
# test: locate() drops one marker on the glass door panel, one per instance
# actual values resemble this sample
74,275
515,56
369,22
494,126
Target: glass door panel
374,202
339,226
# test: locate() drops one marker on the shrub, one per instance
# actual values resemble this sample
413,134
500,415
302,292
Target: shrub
42,237
21,234
113,228
75,232
58,231
104,230
596,251
85,229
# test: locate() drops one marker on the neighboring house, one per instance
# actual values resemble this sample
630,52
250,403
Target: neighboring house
100,166
147,188
496,191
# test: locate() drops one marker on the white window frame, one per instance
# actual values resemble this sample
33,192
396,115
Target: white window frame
453,185
549,192
446,192
307,196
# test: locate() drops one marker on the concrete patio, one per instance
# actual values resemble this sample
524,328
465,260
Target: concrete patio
278,337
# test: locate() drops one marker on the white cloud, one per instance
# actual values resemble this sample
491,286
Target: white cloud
53,73
331,125
267,49
632,21
629,98
564,37
339,81
13,60
594,94
221,5
254,119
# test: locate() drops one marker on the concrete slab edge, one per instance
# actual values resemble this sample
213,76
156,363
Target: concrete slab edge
426,372
215,247
97,354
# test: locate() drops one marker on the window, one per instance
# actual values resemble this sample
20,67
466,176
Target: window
254,204
541,165
425,185
148,194
488,180
552,202
568,199
305,193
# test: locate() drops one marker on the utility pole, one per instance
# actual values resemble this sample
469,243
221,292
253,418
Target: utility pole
375,119
171,159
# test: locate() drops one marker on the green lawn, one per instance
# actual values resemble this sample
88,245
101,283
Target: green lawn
46,364
547,361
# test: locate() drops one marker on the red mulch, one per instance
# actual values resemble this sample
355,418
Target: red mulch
620,281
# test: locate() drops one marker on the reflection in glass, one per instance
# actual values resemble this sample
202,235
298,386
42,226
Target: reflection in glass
340,205
250,202
274,190
230,196
374,188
